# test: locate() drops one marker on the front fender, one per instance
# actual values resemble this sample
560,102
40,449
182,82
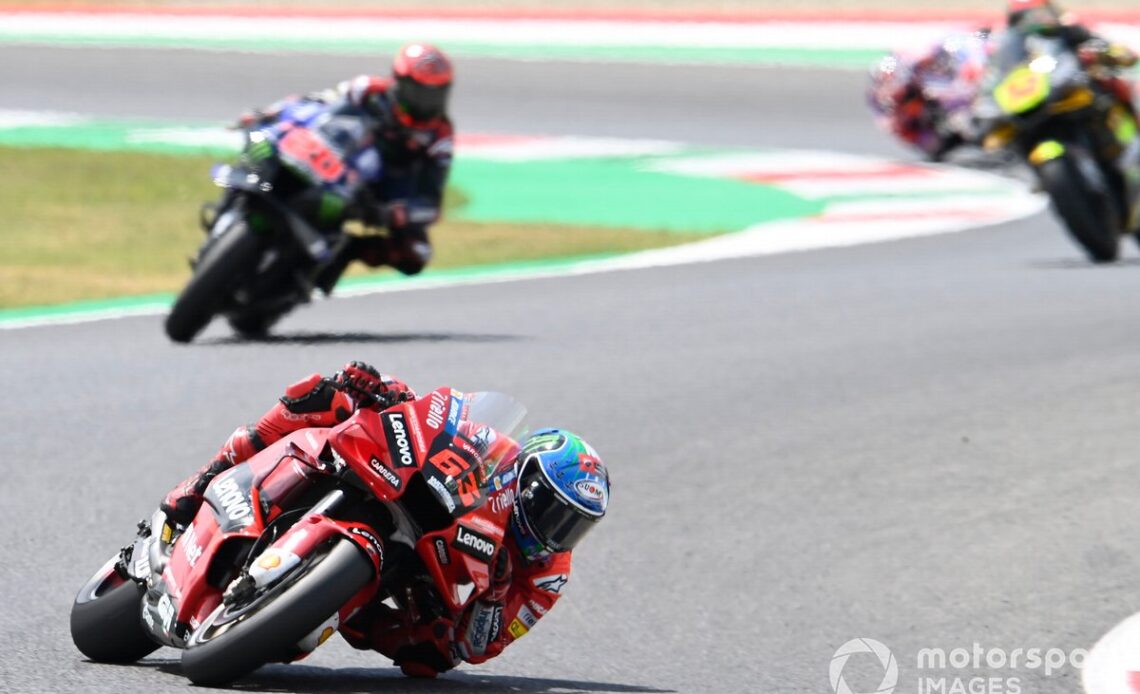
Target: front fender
1046,151
306,537
239,178
309,535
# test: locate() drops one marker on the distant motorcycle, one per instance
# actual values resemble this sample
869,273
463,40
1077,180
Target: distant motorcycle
925,98
386,507
278,224
1080,138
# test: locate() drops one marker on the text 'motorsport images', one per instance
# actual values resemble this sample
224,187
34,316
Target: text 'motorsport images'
571,346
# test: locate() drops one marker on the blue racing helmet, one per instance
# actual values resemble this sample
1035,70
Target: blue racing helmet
563,491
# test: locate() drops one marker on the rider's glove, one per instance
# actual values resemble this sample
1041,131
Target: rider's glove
370,387
1098,52
1121,55
392,215
396,215
312,396
249,119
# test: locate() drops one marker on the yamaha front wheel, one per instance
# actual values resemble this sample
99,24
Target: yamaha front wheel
224,261
235,640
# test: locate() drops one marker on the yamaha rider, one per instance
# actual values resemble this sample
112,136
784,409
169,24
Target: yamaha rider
414,138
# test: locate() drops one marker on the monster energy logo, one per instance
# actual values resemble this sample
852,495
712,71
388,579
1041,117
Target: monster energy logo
260,150
545,442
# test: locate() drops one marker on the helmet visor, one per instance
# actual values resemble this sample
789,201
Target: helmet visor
555,522
422,101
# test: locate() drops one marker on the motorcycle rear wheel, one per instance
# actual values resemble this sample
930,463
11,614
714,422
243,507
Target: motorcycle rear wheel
1089,215
106,619
228,646
222,265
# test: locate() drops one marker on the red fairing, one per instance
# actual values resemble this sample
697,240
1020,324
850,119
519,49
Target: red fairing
310,402
494,617
433,469
313,532
233,511
424,439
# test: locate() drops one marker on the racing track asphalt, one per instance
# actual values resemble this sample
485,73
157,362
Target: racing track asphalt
930,442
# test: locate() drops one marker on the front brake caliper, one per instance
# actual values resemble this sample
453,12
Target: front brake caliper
240,590
121,566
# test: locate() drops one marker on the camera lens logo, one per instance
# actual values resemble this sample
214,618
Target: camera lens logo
854,647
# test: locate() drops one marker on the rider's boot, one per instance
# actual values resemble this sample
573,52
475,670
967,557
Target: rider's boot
330,275
182,503
311,402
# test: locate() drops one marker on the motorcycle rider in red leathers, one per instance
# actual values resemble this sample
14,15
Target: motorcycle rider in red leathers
414,138
924,97
550,514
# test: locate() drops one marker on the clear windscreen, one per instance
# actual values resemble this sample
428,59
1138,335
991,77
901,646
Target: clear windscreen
489,428
1044,55
1016,50
1010,53
498,412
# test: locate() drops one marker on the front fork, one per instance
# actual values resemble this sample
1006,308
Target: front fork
1105,177
146,557
327,265
209,212
143,562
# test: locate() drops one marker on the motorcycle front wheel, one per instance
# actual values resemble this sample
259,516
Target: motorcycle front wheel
224,262
234,641
106,618
1089,214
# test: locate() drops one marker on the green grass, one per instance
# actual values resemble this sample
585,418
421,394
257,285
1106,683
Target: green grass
87,225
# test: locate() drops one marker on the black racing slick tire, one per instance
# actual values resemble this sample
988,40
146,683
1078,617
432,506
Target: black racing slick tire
1089,215
226,647
224,262
106,619
252,325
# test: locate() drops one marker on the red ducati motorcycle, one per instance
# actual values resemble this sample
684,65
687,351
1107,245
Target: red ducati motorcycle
318,528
